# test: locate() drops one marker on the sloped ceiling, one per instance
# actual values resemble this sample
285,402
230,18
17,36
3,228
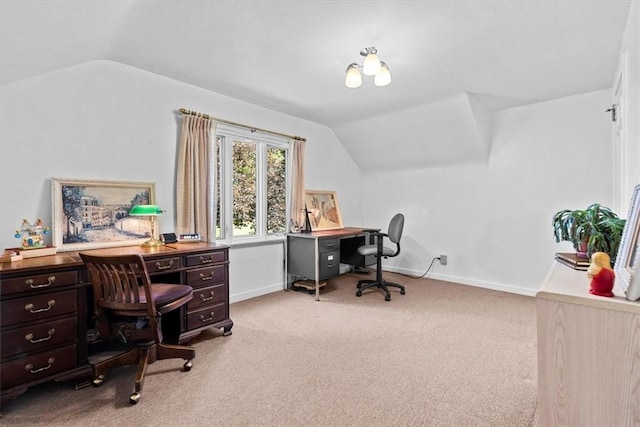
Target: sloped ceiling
452,62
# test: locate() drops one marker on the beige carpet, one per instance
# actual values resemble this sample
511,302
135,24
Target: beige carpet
441,355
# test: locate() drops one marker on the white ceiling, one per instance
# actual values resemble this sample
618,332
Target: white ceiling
292,56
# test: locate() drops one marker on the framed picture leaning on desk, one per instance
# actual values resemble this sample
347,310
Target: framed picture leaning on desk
323,208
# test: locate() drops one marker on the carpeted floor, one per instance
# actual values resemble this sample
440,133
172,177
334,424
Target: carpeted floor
442,355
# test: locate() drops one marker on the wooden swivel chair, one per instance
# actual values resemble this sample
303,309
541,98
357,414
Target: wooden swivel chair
128,307
380,251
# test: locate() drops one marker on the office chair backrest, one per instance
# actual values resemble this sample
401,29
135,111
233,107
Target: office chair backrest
395,228
120,282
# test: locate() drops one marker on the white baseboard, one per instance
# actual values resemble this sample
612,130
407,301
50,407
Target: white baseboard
471,282
241,296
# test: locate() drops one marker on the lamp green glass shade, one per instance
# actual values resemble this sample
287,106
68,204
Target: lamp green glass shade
152,211
145,210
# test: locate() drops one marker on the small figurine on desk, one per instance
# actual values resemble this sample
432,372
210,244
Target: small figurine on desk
31,235
601,275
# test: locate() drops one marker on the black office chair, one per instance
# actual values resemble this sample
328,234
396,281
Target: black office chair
379,251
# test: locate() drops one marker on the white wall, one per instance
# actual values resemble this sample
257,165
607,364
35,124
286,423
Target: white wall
106,121
493,219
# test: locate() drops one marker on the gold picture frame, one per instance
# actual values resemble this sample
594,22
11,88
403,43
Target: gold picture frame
89,214
323,209
627,266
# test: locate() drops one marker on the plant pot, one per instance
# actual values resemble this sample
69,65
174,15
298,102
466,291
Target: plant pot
582,251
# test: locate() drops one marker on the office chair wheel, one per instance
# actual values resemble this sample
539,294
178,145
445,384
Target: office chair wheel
188,365
359,293
134,398
97,381
387,298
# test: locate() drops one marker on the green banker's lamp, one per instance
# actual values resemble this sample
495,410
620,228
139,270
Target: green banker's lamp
152,211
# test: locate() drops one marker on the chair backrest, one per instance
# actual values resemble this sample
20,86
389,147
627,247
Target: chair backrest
395,228
120,283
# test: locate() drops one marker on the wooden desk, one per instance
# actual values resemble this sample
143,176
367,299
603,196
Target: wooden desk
588,354
317,255
45,304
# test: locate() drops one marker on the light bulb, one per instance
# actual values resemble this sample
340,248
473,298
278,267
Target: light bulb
383,77
353,79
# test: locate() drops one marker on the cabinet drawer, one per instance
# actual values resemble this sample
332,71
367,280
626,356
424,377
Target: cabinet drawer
325,245
38,366
329,264
206,276
206,258
38,282
207,296
163,264
37,337
36,307
206,316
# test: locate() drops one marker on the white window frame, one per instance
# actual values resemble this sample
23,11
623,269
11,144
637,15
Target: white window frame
263,141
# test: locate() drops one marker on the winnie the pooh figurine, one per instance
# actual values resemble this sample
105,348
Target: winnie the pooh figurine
601,275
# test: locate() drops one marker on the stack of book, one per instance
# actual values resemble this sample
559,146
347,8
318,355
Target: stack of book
34,252
572,260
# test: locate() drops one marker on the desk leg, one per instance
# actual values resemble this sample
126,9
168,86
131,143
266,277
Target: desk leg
317,268
317,290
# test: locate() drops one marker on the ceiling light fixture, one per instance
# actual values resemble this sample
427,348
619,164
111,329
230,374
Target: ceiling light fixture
372,67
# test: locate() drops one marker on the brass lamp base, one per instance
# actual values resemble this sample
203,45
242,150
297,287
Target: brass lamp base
152,243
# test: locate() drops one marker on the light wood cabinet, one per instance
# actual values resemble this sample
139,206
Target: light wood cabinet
588,354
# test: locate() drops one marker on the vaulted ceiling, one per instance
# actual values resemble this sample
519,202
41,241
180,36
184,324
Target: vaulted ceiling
452,62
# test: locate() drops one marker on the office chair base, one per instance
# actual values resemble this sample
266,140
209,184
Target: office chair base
384,285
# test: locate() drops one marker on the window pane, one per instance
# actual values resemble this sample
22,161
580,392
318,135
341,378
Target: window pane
219,187
244,188
276,190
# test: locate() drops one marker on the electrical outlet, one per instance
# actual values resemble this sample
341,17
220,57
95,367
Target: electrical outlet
443,259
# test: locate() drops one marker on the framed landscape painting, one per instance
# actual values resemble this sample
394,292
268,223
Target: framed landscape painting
95,214
323,208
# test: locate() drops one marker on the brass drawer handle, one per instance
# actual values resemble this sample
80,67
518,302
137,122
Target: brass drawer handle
29,367
29,307
204,260
204,278
203,298
32,285
29,337
160,266
206,319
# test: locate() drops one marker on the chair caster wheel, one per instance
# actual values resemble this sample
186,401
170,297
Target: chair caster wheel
188,365
134,398
387,298
97,381
359,294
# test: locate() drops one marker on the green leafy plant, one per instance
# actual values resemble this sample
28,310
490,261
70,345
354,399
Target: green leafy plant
594,229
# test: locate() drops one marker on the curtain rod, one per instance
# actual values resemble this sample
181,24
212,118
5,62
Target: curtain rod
252,128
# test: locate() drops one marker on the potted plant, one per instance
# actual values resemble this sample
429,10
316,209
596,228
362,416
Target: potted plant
594,229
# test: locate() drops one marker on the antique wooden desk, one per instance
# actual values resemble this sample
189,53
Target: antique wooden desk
45,306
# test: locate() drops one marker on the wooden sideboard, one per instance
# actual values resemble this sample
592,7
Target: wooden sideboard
46,305
588,354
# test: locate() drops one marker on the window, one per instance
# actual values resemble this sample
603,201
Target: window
251,184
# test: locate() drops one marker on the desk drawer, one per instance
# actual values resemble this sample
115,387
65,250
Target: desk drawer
37,337
163,265
206,276
206,316
207,296
325,245
329,264
38,282
36,307
38,366
206,258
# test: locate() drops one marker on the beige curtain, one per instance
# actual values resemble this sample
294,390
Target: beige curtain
297,184
194,188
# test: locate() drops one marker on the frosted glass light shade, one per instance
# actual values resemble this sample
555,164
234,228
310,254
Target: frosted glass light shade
371,64
383,77
354,78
